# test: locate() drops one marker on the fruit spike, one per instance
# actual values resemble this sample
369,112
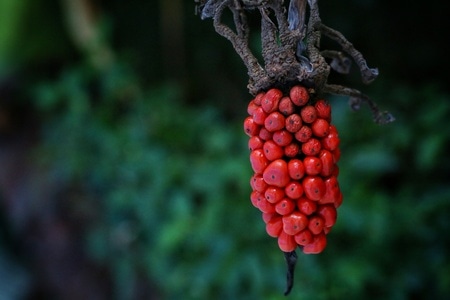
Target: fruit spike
295,179
294,150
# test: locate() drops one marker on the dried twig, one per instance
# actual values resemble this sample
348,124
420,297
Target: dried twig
291,48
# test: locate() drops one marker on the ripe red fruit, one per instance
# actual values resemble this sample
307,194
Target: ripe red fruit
285,206
272,151
336,155
252,106
326,157
323,109
292,150
264,134
293,153
293,123
265,206
331,141
316,224
319,243
304,134
294,223
296,169
328,213
338,201
311,147
313,187
255,197
271,99
299,95
306,206
286,242
274,194
259,115
313,165
254,143
274,121
286,107
267,217
258,98
276,173
250,127
282,137
274,227
309,114
258,184
335,172
258,161
294,190
332,191
304,237
320,127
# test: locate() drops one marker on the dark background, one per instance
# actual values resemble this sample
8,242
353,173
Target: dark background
124,170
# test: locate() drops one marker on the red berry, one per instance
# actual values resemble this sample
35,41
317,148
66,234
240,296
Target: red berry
294,190
286,107
294,223
336,155
320,127
285,206
328,213
286,242
291,150
259,98
332,191
331,141
258,184
309,114
323,109
264,134
252,106
299,95
254,143
313,165
259,116
319,243
313,187
271,99
296,169
316,224
274,194
304,134
326,157
338,201
258,161
276,173
272,151
304,237
250,127
282,137
274,227
267,217
255,198
311,147
274,121
293,123
265,206
306,206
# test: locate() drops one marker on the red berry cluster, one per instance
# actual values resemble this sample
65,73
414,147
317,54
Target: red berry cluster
293,153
